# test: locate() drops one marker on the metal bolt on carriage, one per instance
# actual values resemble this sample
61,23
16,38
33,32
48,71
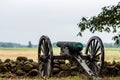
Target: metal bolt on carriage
91,61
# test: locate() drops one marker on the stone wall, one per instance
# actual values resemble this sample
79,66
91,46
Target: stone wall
25,67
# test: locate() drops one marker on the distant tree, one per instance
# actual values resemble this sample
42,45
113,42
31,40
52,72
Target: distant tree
3,45
107,21
29,44
117,43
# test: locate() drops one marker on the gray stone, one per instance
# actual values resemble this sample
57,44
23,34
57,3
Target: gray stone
64,67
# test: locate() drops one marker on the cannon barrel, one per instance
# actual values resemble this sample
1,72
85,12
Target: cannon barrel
71,45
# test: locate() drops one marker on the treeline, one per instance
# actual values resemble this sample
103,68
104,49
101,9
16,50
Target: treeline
30,45
15,45
110,45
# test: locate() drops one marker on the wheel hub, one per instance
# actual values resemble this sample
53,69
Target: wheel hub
43,58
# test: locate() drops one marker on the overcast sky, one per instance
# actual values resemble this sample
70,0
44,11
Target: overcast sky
26,20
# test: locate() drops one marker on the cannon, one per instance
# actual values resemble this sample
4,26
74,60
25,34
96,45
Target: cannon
91,60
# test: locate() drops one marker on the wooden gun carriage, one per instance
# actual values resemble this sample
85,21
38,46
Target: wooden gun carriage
91,61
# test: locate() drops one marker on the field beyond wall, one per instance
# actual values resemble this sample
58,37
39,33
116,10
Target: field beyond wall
31,53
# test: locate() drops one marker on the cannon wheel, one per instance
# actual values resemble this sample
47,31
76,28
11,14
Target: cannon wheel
45,54
95,50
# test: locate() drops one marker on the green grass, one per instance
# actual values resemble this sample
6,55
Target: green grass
53,78
62,78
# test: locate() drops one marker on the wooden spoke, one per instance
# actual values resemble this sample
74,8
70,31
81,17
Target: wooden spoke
96,45
93,45
42,49
97,55
96,68
89,50
97,49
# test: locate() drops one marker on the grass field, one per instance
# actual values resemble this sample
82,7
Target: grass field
63,78
11,53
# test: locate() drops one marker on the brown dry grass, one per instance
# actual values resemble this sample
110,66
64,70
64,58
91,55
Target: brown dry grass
12,53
